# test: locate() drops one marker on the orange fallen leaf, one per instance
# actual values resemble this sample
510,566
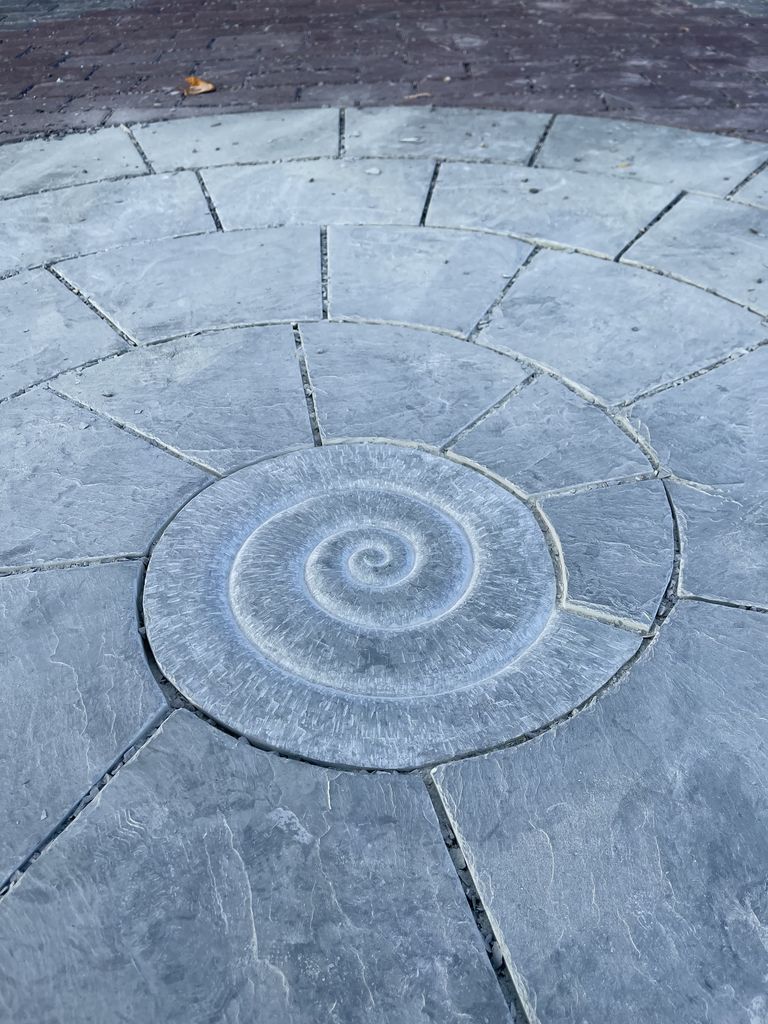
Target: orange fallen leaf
196,85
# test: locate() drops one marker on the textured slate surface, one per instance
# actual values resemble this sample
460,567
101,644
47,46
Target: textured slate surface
76,694
622,856
755,191
311,897
444,279
224,399
179,285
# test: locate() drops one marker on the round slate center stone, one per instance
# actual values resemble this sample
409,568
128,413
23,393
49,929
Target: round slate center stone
334,602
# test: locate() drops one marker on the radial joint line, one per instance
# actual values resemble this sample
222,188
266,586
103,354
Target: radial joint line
489,411
430,192
139,148
487,316
55,272
309,394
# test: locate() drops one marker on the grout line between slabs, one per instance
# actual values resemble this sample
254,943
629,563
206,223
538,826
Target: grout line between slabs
540,143
487,316
752,174
324,283
309,394
77,563
488,411
430,193
209,201
55,272
342,132
139,148
655,220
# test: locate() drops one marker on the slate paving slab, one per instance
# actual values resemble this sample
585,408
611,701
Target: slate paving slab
754,192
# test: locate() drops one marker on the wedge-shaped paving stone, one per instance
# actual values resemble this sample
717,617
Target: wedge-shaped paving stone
76,693
38,228
754,192
716,244
46,329
73,486
380,381
622,856
614,329
545,438
598,213
668,156
320,192
211,881
74,160
223,399
618,546
240,138
440,278
178,285
443,133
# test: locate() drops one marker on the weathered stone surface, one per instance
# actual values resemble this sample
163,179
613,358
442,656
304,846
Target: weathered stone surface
622,856
545,438
755,191
46,329
716,244
614,329
320,192
76,693
174,287
426,276
598,213
369,605
650,152
49,225
309,897
240,138
74,486
443,133
378,381
617,545
223,399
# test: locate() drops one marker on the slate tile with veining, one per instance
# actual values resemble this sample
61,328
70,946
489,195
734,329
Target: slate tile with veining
445,279
73,486
622,855
38,228
177,285
545,438
617,545
381,381
76,693
614,329
224,399
213,881
695,161
598,213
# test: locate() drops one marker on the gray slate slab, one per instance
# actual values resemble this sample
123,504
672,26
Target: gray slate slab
179,285
426,276
598,213
618,546
622,855
754,192
74,486
38,228
223,399
545,438
240,138
443,133
211,881
381,381
46,329
649,152
76,693
614,329
716,244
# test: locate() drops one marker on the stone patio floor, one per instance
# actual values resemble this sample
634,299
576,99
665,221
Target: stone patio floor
384,571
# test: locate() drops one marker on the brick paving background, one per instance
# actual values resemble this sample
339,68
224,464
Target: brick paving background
73,64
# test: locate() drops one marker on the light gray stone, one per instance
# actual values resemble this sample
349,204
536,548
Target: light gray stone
622,856
76,693
426,276
46,329
545,438
224,399
443,133
616,330
73,486
650,152
754,192
369,605
179,285
600,214
240,138
618,546
320,192
38,228
214,882
715,244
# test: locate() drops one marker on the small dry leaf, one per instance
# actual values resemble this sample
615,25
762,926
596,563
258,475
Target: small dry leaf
417,96
196,85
